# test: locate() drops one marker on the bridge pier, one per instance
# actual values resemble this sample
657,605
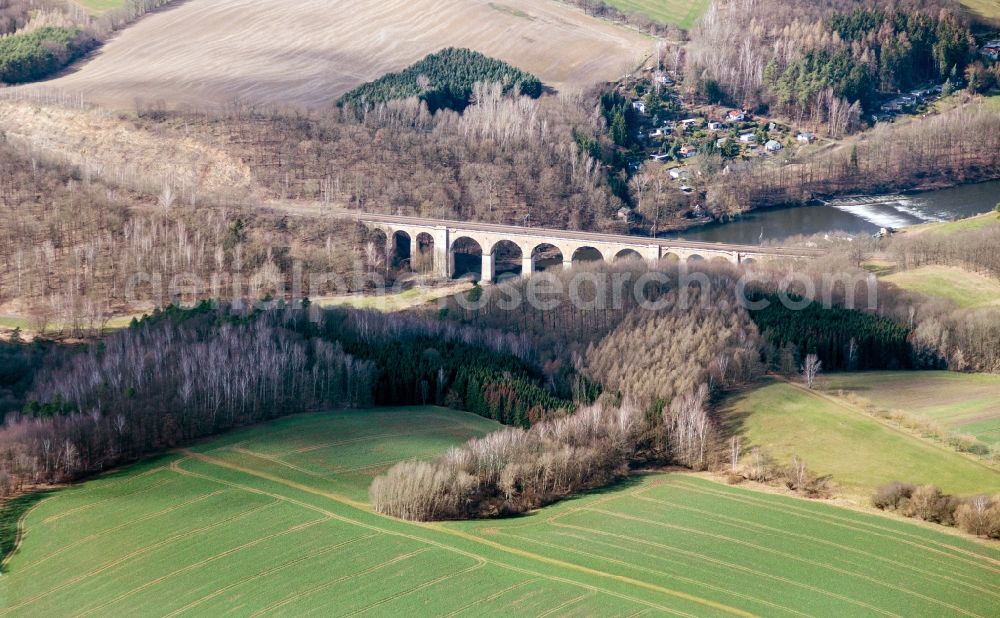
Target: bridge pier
443,259
488,268
609,246
527,265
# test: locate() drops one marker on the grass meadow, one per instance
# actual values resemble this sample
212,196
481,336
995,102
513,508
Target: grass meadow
962,402
986,9
273,520
96,7
967,289
681,13
978,222
835,437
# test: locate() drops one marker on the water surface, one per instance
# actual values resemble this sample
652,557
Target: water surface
851,215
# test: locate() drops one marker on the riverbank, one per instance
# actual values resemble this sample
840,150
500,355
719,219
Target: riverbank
853,215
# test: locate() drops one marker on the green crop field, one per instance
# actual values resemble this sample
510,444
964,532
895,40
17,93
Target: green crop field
273,520
966,289
834,437
681,13
963,402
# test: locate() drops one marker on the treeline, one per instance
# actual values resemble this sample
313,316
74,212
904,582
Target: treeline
699,337
811,60
615,323
871,51
41,37
18,364
34,55
941,335
423,360
659,364
974,249
636,19
504,159
963,339
168,380
514,470
843,338
186,373
75,249
951,148
977,515
444,80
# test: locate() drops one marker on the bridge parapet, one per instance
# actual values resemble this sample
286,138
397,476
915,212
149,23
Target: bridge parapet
444,235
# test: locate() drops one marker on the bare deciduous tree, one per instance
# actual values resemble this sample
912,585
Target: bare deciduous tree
810,369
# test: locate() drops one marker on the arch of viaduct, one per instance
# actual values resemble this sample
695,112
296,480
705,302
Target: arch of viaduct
445,235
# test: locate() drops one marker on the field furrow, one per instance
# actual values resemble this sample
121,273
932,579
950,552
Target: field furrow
227,527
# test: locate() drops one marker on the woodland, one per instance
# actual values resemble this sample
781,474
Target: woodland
38,38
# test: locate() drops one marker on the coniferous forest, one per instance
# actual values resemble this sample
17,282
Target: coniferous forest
445,80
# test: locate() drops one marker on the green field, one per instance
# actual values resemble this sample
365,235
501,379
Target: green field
962,402
96,7
681,13
966,289
988,9
967,224
834,437
272,520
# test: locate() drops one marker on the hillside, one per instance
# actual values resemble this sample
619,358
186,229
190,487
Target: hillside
961,402
967,289
272,519
323,48
859,451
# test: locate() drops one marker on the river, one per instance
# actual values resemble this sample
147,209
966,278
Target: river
851,215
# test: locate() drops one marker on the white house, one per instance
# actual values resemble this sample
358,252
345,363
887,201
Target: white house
773,145
748,138
736,116
679,173
639,106
659,157
714,125
805,137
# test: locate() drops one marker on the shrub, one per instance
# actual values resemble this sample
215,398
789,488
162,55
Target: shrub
929,504
801,480
979,516
759,467
892,496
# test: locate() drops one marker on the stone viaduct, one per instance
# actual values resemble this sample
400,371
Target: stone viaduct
441,239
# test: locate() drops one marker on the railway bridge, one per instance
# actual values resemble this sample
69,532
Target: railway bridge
436,242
